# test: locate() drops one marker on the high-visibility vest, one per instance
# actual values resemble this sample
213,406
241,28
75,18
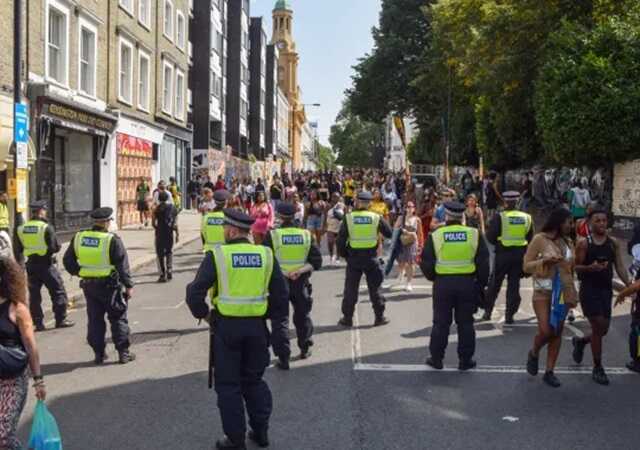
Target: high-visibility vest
93,253
515,227
455,247
291,247
363,229
213,229
244,273
31,235
4,216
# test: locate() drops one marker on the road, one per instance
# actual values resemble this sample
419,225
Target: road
365,388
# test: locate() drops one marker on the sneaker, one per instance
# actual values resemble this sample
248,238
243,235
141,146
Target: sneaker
126,357
435,363
346,322
578,349
532,364
162,279
409,288
169,276
551,379
65,323
599,376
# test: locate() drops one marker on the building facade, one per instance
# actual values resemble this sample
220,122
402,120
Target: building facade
283,149
308,146
288,76
257,88
271,103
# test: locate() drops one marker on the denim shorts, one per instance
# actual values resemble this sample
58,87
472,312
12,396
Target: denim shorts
314,223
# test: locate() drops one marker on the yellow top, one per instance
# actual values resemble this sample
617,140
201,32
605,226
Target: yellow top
379,207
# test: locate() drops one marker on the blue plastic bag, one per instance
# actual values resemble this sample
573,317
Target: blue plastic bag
45,434
559,309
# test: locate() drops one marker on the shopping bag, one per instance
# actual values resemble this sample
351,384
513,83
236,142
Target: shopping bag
559,309
45,434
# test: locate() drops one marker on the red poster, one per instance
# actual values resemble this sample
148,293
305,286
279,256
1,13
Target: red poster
133,146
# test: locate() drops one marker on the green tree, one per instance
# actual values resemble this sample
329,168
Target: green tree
354,140
326,157
588,93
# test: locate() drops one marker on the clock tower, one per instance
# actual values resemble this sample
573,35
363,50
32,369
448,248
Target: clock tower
282,38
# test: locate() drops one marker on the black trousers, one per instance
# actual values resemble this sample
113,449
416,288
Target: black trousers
47,275
241,356
300,297
102,300
373,272
164,254
507,264
454,297
634,334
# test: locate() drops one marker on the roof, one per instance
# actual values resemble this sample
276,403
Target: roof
283,4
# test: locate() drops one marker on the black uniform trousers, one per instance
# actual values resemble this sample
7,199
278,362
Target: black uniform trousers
507,264
634,334
47,275
104,299
300,297
241,356
164,253
370,267
454,296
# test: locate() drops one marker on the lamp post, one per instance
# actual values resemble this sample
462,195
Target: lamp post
17,99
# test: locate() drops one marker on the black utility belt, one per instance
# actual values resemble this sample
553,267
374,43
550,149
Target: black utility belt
11,343
217,315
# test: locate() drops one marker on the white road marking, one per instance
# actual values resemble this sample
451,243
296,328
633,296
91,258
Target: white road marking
569,370
162,308
511,419
356,348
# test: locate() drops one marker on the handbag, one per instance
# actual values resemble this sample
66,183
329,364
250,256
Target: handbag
406,238
13,361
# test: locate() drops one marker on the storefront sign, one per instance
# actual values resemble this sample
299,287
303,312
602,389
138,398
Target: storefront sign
11,188
132,146
84,118
21,190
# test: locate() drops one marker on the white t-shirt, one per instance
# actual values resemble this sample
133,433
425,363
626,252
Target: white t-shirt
156,194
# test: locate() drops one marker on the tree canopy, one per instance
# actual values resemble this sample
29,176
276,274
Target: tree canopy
354,140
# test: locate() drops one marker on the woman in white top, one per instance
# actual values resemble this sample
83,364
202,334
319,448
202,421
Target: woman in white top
333,221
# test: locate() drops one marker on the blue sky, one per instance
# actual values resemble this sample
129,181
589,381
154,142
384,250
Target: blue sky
331,35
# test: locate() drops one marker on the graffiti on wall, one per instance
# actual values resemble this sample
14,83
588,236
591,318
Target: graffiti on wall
626,195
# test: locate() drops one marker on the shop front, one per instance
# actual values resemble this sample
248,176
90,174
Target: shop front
175,158
72,141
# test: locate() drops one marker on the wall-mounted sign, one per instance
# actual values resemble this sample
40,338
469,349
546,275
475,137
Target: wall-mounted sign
133,146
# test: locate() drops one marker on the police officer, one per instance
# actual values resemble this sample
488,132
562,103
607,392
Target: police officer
165,225
357,242
247,287
100,259
38,242
213,222
456,259
510,232
298,256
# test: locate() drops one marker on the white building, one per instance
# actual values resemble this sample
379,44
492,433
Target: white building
395,153
283,138
308,147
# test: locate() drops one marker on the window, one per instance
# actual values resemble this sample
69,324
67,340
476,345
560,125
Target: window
179,109
144,13
167,87
125,79
127,5
168,19
243,109
87,54
144,66
57,45
181,29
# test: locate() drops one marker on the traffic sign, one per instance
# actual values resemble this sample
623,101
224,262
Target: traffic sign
21,190
22,161
21,123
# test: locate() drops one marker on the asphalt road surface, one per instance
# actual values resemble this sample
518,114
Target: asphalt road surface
365,388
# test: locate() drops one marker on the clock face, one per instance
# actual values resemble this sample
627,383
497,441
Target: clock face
282,45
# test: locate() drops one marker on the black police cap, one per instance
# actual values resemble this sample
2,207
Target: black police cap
454,208
105,213
221,196
37,205
237,218
286,209
365,196
511,196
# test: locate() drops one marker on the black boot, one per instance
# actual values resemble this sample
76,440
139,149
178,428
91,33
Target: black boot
259,437
551,379
467,364
346,322
380,320
578,349
600,376
532,364
282,363
508,319
486,316
228,444
100,358
634,365
64,323
435,363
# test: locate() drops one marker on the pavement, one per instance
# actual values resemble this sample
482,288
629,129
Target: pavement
363,388
140,246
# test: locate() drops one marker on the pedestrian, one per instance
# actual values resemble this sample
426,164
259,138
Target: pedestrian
262,214
220,185
333,220
38,242
579,199
439,215
298,257
162,187
410,242
194,191
18,345
100,259
4,213
315,209
634,334
473,216
549,253
208,202
456,259
491,195
510,232
349,190
176,193
276,192
234,273
209,184
165,224
142,201
357,242
300,209
212,229
596,257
